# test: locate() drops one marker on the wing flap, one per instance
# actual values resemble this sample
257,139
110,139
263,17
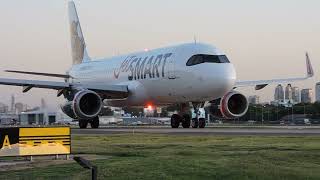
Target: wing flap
35,83
40,74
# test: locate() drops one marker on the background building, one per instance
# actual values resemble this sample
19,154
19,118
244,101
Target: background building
37,118
296,95
3,108
306,95
288,93
19,107
278,93
318,92
254,99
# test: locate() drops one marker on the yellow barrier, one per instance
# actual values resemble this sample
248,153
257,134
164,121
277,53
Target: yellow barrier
34,141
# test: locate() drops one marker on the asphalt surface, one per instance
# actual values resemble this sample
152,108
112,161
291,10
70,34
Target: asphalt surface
236,131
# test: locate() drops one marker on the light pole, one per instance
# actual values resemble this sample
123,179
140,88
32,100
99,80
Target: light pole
277,112
268,114
262,114
292,113
255,114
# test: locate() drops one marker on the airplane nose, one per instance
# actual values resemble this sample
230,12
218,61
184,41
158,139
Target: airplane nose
222,79
214,80
231,74
229,77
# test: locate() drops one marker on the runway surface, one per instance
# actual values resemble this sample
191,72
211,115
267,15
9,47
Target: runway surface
297,131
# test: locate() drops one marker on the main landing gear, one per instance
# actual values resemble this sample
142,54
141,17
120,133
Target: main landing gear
185,121
94,123
185,118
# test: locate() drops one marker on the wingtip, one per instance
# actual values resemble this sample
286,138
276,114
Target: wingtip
71,4
310,72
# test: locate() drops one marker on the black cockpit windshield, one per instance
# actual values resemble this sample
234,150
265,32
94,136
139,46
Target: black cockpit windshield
203,58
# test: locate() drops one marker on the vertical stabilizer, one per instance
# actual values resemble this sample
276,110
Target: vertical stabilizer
78,45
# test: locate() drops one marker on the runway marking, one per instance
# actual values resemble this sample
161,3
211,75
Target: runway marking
206,131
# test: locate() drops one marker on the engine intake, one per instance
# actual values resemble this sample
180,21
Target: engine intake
232,105
85,105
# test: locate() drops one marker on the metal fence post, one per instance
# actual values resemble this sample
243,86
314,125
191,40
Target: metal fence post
86,164
94,172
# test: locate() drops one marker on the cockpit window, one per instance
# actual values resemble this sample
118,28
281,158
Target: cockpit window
203,58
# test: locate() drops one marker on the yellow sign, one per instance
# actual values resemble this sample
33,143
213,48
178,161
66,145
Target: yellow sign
34,141
6,142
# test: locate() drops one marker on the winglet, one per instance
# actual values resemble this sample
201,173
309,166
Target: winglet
310,72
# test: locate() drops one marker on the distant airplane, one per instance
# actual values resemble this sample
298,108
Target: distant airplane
194,74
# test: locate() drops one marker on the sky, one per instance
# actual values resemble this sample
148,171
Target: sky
263,39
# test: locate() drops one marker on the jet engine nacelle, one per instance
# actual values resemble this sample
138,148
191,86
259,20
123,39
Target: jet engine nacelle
85,105
230,106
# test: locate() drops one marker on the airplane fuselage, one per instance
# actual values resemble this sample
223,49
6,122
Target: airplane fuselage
160,77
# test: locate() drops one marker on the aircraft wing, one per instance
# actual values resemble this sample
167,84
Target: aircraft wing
106,90
260,84
40,74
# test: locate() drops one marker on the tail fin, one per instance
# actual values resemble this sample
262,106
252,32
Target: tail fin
78,45
310,72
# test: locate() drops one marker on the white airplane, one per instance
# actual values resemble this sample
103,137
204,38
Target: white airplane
187,74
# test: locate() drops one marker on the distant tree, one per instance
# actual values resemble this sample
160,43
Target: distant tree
274,113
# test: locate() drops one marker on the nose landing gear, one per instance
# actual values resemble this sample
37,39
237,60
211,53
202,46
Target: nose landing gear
202,122
195,122
198,122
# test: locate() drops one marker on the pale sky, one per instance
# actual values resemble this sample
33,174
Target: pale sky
263,39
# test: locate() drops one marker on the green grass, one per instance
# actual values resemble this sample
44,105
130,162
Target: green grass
151,156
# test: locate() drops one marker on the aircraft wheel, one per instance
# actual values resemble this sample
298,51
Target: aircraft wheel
175,121
95,123
202,122
83,123
195,123
186,121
